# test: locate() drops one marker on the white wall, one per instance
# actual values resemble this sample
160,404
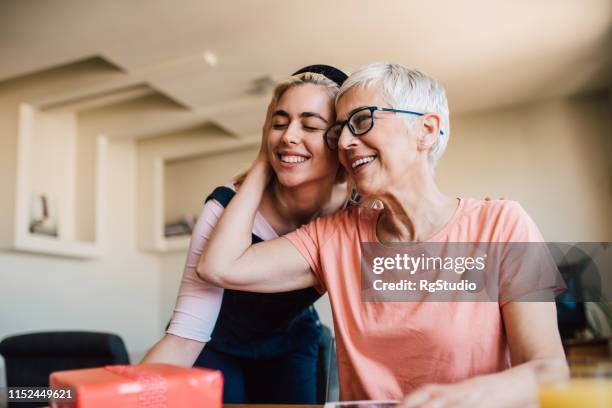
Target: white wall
553,157
119,293
8,170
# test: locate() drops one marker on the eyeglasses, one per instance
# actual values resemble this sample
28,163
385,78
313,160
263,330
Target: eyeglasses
359,123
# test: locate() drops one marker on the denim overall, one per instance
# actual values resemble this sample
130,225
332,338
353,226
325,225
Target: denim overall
266,344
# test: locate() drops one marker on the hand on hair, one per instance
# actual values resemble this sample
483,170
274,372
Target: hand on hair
261,161
262,156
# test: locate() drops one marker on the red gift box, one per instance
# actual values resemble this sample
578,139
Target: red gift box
141,386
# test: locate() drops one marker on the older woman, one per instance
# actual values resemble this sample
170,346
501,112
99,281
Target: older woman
393,127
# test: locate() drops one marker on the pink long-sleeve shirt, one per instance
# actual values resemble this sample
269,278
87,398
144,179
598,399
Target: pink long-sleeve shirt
198,303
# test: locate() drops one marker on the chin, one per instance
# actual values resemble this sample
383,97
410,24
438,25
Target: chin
367,189
289,180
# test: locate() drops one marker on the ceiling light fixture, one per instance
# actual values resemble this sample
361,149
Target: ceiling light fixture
210,58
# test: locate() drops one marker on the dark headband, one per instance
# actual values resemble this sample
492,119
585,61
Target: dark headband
327,71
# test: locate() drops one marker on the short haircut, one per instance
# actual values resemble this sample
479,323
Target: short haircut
408,89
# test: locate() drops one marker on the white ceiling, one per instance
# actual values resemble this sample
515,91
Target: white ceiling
487,53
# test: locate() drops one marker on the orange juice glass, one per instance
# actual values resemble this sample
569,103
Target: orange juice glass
590,386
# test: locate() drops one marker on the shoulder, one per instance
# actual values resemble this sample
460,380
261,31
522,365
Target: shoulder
507,218
348,218
332,222
352,224
219,199
221,194
214,204
338,225
488,208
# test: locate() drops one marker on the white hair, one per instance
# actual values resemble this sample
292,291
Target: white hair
406,89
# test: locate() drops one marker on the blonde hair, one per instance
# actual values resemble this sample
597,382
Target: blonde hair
303,79
299,80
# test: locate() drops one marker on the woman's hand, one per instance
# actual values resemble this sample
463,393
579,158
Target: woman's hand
485,391
261,164
514,387
537,357
262,156
174,350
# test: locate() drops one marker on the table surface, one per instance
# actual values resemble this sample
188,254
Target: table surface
269,406
264,406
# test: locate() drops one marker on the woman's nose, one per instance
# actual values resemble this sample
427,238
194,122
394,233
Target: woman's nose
292,134
347,140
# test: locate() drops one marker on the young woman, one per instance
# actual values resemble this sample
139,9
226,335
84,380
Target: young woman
266,345
393,127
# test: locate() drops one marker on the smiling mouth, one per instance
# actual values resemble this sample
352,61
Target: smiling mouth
292,159
362,162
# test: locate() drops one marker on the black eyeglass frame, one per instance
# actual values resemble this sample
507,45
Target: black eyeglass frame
372,109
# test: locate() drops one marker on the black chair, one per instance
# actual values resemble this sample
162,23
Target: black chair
30,358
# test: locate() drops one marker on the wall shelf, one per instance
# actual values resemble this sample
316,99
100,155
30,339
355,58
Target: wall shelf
53,161
59,124
54,166
177,171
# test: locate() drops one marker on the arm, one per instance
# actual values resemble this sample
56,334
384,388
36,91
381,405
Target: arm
230,261
175,350
197,305
532,334
537,357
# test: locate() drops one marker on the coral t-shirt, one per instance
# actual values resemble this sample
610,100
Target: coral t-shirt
387,349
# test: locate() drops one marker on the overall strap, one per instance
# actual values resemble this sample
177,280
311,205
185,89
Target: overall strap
224,195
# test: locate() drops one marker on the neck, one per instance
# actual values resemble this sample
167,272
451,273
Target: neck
414,208
287,208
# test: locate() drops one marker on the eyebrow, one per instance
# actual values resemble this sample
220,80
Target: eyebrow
281,113
358,108
313,115
302,115
353,111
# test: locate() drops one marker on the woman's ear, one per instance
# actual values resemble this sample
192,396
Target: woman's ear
430,131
